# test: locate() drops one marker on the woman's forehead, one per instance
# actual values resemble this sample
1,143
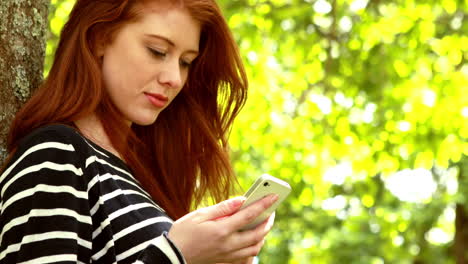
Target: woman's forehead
157,5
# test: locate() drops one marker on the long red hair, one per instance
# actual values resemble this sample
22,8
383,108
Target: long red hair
183,156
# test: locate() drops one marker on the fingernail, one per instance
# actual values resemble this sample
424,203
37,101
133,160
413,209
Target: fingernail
237,201
274,198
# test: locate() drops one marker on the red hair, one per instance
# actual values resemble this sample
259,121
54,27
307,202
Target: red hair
183,156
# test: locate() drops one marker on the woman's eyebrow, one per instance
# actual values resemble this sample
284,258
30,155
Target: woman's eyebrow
168,41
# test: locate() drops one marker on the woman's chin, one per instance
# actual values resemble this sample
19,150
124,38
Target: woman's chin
145,121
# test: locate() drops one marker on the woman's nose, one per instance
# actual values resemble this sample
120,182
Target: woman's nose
171,75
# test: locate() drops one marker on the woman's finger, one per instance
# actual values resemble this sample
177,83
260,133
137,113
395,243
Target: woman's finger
248,214
246,252
251,237
220,210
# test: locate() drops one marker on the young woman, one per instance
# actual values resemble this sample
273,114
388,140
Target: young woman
127,134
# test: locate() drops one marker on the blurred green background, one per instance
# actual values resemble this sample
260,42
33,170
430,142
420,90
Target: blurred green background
362,106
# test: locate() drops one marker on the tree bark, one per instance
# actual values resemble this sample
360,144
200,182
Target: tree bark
23,34
461,222
461,235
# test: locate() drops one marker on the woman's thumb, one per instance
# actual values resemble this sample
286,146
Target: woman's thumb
225,208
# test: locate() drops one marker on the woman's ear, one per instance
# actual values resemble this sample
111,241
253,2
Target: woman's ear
100,49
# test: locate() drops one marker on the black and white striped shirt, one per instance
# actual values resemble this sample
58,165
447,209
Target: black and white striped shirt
64,199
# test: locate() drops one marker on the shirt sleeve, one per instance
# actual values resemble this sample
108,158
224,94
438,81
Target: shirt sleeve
45,214
162,250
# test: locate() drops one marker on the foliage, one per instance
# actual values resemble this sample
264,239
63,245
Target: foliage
361,106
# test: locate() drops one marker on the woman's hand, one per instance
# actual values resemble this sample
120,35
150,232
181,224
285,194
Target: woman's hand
210,234
249,260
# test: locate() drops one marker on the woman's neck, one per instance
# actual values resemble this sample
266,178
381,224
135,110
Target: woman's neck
91,127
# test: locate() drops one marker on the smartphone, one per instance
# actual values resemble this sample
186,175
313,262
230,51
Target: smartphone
263,186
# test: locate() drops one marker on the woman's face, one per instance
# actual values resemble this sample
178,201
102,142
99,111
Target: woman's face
147,63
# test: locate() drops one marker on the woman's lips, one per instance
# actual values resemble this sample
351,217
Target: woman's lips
157,100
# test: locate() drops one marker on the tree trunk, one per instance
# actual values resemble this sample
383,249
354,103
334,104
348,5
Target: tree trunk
23,34
461,223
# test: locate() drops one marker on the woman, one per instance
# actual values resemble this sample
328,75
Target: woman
127,134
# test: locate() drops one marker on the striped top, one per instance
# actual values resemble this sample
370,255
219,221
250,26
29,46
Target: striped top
64,199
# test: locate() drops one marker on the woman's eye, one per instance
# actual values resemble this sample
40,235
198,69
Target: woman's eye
185,64
157,53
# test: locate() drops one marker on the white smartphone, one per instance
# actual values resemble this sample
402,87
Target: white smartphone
263,186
